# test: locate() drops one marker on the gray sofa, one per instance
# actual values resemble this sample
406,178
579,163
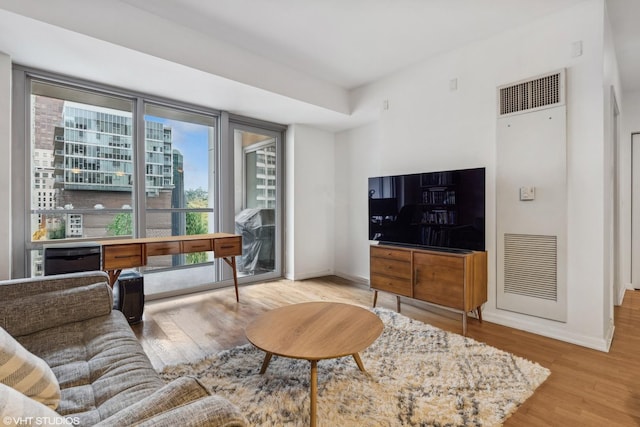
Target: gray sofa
105,377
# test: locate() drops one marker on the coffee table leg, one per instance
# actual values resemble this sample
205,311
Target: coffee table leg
356,357
265,364
314,392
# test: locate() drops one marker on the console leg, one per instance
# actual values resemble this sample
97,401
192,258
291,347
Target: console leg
480,313
232,263
113,276
375,298
464,324
398,303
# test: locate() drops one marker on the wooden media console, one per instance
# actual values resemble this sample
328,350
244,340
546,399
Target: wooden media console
450,279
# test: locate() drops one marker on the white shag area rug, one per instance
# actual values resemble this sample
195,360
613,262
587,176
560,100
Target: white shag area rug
417,375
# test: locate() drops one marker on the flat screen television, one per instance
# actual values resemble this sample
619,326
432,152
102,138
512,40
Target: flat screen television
441,210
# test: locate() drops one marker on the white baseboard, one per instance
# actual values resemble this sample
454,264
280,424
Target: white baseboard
609,335
312,275
601,344
620,297
358,280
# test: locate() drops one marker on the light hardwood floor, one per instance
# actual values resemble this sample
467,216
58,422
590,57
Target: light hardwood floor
586,387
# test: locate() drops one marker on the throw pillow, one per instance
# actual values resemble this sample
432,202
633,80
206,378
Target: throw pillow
16,409
26,372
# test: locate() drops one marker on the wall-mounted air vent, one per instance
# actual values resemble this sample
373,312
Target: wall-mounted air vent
533,94
530,265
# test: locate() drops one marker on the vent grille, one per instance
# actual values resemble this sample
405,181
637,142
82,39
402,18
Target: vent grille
530,265
530,95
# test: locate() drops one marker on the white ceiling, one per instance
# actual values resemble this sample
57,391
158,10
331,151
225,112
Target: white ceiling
350,42
288,61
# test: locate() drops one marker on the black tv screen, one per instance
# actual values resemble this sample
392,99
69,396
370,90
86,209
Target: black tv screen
434,210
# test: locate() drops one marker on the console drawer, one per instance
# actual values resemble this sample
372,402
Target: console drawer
391,284
229,246
391,268
116,257
200,245
398,254
163,248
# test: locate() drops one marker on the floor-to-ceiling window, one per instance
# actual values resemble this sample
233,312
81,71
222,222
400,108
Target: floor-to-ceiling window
104,163
80,167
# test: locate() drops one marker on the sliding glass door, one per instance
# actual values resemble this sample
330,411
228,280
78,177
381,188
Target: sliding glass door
257,198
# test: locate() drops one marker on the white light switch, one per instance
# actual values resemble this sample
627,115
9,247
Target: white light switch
527,193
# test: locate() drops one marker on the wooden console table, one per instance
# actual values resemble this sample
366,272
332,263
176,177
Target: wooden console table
131,253
457,281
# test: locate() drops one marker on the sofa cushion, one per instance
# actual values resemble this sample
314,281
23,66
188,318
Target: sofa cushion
177,393
39,312
99,363
26,372
209,411
16,409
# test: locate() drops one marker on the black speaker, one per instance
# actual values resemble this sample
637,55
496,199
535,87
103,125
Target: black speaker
130,296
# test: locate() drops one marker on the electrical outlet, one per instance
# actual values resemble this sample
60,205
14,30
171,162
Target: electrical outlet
576,49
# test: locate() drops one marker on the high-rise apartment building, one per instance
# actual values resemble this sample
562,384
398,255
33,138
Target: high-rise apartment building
263,192
93,151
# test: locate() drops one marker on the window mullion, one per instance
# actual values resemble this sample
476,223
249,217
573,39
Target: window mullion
139,143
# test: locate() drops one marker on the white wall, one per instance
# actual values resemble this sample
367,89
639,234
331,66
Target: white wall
430,127
310,202
357,157
5,166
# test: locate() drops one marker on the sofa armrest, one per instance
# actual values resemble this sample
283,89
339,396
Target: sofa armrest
184,402
32,305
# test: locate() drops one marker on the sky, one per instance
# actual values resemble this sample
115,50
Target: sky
192,141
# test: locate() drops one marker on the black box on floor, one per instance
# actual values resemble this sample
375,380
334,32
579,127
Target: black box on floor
128,296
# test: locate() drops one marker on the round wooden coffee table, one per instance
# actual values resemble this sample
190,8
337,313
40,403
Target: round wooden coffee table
314,331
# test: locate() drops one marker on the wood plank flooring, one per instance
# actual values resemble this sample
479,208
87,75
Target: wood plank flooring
586,387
